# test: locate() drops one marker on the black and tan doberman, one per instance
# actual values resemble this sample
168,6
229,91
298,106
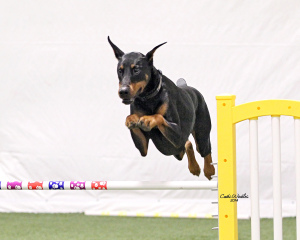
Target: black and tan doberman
162,111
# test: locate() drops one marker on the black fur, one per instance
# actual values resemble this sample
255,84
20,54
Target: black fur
186,110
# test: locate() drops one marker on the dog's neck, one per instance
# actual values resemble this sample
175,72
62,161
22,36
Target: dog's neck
154,85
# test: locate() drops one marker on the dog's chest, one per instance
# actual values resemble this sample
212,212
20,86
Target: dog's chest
149,107
155,105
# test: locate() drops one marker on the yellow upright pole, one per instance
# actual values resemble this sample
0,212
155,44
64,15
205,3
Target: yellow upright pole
228,226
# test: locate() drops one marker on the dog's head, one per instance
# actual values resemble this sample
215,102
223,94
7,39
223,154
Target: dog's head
134,72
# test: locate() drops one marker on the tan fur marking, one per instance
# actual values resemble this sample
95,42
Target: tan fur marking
209,170
142,139
162,109
134,87
149,122
192,163
119,89
160,120
132,121
122,67
132,65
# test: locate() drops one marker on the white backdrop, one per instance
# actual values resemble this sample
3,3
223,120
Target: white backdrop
61,118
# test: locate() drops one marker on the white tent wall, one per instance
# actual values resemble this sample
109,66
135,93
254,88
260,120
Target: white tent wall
61,117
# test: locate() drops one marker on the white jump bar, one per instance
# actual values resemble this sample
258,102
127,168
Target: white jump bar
173,185
107,185
277,194
297,156
254,173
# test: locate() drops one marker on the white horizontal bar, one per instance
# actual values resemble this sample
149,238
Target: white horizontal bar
174,185
108,185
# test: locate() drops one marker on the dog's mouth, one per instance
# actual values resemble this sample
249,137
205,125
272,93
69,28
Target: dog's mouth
128,101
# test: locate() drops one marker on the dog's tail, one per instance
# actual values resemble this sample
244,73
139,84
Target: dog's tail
181,83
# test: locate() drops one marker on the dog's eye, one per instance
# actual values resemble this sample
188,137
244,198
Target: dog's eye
136,70
120,71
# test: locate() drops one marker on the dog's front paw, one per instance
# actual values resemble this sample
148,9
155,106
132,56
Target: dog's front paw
146,123
132,121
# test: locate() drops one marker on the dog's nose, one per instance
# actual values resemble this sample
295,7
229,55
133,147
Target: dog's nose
124,92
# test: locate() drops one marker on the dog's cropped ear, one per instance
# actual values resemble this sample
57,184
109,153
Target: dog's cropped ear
150,54
117,51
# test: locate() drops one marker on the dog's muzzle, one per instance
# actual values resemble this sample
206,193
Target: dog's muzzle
124,93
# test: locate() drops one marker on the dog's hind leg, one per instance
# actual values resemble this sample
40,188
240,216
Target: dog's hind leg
209,169
192,163
201,135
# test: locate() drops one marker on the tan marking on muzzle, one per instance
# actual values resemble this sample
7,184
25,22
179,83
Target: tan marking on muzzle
119,89
135,87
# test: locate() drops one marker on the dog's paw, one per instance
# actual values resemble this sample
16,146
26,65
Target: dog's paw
146,123
194,169
209,170
132,121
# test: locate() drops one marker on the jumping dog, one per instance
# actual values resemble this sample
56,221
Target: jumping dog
162,111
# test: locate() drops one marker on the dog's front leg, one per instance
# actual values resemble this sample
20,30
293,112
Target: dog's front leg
140,140
132,121
171,131
138,137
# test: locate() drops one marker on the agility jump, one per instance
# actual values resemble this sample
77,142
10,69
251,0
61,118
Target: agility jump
107,185
227,116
